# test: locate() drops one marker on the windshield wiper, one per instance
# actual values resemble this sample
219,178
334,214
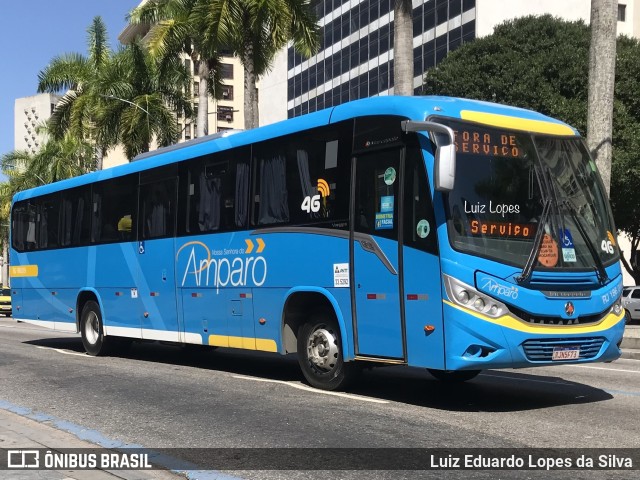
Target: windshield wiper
537,244
600,270
546,193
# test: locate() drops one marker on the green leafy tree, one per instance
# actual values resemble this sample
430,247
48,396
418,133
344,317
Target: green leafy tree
56,160
256,30
541,63
137,100
75,74
176,28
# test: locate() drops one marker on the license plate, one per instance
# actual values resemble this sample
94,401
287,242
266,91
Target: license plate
566,353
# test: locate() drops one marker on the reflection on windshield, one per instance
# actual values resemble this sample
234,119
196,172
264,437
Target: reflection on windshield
504,180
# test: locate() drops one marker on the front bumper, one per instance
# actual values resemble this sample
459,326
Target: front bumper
475,342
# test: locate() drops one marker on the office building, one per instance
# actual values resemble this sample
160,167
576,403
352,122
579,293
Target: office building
31,113
355,59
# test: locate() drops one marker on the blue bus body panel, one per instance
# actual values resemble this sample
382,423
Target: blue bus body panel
423,310
230,282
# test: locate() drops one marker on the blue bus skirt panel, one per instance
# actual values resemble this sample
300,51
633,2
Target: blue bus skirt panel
476,342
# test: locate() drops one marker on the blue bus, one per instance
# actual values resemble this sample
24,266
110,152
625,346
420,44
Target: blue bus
433,232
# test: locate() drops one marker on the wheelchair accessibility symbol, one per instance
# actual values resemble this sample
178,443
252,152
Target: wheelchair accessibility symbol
567,240
141,248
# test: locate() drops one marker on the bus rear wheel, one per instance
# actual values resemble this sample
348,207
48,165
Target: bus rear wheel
91,330
450,376
320,354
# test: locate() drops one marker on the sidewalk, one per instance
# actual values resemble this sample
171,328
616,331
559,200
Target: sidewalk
17,431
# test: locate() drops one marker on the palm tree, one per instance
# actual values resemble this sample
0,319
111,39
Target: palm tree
403,47
176,28
56,160
75,73
255,30
138,98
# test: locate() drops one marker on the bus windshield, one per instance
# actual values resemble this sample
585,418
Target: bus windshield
498,204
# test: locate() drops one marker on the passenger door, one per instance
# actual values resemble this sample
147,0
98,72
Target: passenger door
375,260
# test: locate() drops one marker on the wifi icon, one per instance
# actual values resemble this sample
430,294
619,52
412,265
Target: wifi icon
323,187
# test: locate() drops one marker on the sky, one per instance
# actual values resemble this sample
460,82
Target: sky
32,32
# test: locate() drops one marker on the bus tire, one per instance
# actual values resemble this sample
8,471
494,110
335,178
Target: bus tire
320,354
91,330
450,376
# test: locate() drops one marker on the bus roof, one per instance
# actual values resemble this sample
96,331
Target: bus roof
411,107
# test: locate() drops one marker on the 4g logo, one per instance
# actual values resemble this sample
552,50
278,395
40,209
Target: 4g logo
312,203
607,245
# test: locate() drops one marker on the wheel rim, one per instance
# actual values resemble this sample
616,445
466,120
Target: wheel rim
91,328
322,349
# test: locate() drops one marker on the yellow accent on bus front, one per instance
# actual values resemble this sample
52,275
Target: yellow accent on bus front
247,343
24,271
517,123
513,323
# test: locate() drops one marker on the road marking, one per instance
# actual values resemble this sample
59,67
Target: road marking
621,392
8,326
603,368
66,352
311,389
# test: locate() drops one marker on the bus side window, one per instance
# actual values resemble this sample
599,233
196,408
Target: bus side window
158,209
272,196
113,200
75,217
419,218
23,228
216,190
304,178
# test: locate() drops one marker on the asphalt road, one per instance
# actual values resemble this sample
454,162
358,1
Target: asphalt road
159,396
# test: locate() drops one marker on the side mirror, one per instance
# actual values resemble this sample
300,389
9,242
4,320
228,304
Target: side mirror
445,158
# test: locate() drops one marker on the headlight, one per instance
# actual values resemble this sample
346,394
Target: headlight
466,296
617,307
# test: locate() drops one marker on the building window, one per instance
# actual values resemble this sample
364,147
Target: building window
187,64
196,89
622,13
227,71
225,113
227,92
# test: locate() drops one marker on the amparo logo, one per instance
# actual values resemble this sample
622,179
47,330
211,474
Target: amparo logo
221,268
491,286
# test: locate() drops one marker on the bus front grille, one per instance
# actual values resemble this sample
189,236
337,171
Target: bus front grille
541,350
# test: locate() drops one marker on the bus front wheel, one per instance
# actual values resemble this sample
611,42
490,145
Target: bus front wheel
450,376
320,354
93,339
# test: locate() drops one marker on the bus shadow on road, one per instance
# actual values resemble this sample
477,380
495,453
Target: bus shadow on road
270,366
491,391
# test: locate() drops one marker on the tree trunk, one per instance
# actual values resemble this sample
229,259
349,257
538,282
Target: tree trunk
602,64
203,99
250,91
403,48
